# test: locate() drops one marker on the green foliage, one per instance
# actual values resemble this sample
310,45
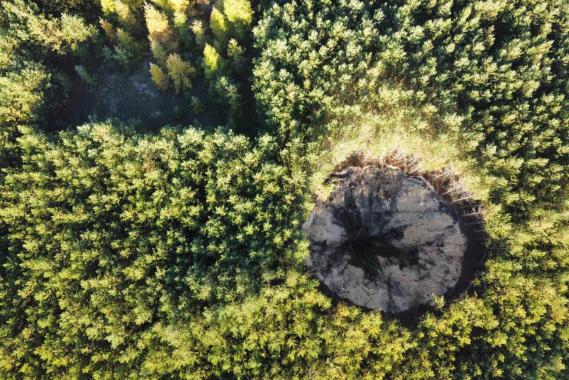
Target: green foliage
132,230
175,256
159,78
180,254
84,75
238,12
157,24
504,66
127,49
218,25
29,42
199,32
63,35
86,8
211,61
496,76
67,33
21,101
180,72
189,30
239,15
235,53
21,95
226,93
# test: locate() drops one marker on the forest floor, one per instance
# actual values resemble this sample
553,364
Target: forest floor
130,96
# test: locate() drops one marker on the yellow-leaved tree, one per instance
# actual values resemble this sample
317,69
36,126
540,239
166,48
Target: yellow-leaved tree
180,72
239,15
218,25
211,61
159,78
159,30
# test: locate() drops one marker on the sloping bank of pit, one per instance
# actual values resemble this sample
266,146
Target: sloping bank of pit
390,241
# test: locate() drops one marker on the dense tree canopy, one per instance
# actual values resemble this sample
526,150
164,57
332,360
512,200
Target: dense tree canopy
186,220
495,74
180,253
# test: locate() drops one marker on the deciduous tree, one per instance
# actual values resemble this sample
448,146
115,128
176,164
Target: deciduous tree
180,72
211,60
159,78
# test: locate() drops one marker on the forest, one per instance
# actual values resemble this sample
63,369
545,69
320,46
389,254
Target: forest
160,161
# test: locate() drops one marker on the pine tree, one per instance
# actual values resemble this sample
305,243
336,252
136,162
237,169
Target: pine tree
180,6
59,35
235,53
158,52
108,6
124,13
127,48
22,98
199,32
21,95
107,28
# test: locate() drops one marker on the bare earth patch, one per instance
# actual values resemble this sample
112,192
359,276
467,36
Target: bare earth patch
385,240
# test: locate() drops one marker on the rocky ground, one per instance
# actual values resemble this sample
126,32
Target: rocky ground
385,240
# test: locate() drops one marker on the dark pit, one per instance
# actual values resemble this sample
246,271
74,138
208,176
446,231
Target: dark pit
386,240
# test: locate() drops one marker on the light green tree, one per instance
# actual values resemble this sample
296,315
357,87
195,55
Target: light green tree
218,25
235,52
21,95
239,15
199,32
60,35
211,61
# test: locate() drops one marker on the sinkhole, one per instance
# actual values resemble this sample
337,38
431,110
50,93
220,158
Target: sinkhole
388,240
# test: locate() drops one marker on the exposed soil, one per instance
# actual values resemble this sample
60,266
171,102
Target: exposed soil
388,240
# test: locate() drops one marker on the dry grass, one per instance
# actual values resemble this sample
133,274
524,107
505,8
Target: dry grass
395,141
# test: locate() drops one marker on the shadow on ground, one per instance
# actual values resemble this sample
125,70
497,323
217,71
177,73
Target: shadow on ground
130,96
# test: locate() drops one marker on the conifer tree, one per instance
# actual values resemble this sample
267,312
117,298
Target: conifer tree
83,8
59,35
158,26
107,28
199,32
21,95
124,13
156,22
180,254
180,72
235,53
218,25
107,6
239,15
211,61
127,47
159,78
180,18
